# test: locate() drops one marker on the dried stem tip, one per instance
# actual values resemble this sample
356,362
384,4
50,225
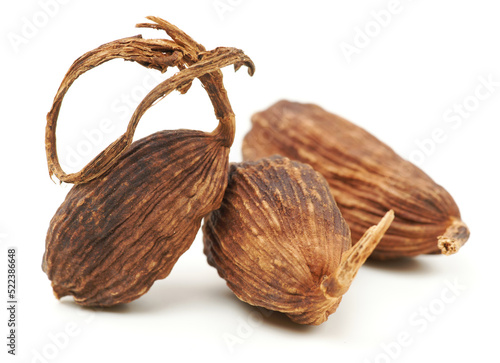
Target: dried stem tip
455,237
337,284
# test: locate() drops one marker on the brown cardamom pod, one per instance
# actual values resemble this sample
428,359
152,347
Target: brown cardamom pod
280,241
366,178
137,208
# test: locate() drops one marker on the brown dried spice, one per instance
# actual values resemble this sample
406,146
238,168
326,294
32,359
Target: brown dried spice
137,208
366,178
280,241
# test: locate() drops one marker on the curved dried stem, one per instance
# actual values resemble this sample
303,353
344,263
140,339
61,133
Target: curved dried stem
454,237
337,284
183,52
210,62
212,82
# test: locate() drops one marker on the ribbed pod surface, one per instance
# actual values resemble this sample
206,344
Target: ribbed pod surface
114,236
277,236
366,177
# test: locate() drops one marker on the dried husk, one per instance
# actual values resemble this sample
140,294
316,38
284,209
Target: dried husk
280,241
137,208
366,178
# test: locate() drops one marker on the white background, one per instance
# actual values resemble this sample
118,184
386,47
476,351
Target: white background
426,59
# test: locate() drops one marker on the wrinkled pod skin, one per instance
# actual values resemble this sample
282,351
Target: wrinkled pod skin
280,241
138,206
114,236
366,178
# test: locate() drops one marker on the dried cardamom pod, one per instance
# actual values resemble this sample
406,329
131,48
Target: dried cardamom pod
137,208
280,241
366,178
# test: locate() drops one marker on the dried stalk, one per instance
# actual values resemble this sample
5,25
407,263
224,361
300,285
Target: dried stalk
182,52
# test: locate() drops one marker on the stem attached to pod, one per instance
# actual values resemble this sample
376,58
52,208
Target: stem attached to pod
182,52
337,284
453,238
212,82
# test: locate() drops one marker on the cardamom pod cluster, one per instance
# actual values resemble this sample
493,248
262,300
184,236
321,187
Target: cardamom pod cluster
280,241
366,178
137,208
272,226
